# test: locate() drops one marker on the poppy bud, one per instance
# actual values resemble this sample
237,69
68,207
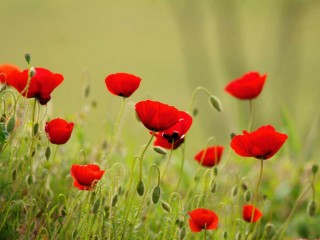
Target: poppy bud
244,186
195,112
156,194
165,206
29,179
315,169
247,195
215,103
3,118
11,124
27,56
114,200
63,212
225,235
14,174
182,233
215,171
160,150
264,197
238,236
75,234
213,186
47,153
269,230
312,208
232,135
140,188
35,129
86,91
33,72
234,191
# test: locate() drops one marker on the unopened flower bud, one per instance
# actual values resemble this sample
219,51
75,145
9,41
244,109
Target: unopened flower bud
29,179
10,124
160,150
247,195
27,56
213,186
114,200
156,194
234,191
165,206
195,112
232,135
33,72
215,103
244,186
225,235
315,169
35,129
238,236
75,234
14,174
140,188
215,171
47,153
312,208
182,233
269,230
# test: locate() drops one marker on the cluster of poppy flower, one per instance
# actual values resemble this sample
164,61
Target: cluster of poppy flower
168,124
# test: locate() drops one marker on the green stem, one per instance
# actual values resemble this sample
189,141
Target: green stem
143,152
116,128
251,115
194,95
182,165
33,137
167,163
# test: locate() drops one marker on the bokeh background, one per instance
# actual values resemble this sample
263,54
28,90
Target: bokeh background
175,46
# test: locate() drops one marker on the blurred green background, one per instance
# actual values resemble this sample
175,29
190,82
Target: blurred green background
175,46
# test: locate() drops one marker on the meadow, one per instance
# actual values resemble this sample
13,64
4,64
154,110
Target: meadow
185,54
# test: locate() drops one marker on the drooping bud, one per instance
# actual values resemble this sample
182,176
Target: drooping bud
35,129
247,195
140,188
114,200
269,231
232,135
315,169
234,191
238,236
225,235
29,179
195,112
10,124
215,171
244,186
156,194
75,234
213,186
47,153
160,150
215,103
182,233
165,206
312,208
14,174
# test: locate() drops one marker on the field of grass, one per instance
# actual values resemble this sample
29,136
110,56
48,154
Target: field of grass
175,47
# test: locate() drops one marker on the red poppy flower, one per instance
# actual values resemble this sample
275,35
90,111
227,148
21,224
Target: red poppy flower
247,213
249,86
41,84
157,116
6,70
174,136
122,84
209,157
59,130
86,176
202,218
262,143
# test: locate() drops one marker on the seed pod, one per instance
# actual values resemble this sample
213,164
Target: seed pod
160,150
156,194
35,129
14,174
27,57
140,188
182,233
315,169
269,230
114,200
215,103
47,153
166,206
234,191
247,195
11,124
312,208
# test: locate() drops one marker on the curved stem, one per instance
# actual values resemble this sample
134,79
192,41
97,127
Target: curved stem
167,163
194,95
182,165
142,154
116,128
